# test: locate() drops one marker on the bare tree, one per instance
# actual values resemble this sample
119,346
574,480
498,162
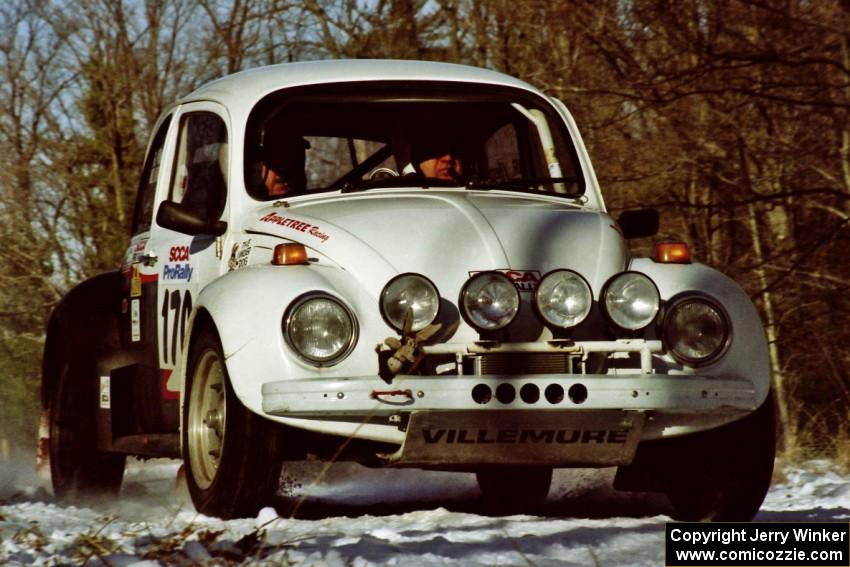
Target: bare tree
732,117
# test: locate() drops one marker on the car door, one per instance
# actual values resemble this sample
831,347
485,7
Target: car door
172,267
136,388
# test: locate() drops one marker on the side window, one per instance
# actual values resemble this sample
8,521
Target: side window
516,150
199,179
503,154
147,182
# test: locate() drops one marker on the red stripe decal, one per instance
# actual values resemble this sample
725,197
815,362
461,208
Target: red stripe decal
166,393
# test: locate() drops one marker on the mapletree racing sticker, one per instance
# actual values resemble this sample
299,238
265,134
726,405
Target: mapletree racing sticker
295,224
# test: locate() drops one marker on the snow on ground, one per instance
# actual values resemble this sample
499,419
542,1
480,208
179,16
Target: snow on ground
359,517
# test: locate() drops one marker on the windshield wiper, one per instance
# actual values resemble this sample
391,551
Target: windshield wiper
410,180
529,184
366,184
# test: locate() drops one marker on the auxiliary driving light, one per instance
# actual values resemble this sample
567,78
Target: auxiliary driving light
409,293
563,299
631,300
489,301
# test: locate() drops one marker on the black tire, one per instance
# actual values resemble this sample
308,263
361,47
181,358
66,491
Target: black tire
513,489
723,475
78,471
232,456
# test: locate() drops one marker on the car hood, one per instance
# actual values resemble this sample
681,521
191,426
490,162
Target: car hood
446,235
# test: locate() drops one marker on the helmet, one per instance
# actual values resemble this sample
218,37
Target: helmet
283,151
434,146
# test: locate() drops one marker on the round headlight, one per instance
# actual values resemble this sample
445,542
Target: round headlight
631,300
413,293
320,329
489,301
563,298
696,330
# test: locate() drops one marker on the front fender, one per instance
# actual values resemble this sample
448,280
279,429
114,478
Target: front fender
748,356
247,308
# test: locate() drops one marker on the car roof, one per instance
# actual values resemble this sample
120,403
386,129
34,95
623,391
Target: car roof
246,87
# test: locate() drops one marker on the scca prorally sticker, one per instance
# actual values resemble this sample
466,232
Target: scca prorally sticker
178,254
524,280
296,224
178,268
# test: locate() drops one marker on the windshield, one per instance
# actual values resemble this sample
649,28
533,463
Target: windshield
367,135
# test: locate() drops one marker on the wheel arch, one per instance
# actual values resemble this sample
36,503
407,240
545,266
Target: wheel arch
246,308
200,320
85,324
747,355
50,361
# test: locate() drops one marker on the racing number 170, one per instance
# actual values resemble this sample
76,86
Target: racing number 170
181,306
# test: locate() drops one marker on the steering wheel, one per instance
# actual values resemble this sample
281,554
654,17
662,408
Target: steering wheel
381,173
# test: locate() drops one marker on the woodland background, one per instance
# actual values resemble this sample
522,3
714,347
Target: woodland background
730,117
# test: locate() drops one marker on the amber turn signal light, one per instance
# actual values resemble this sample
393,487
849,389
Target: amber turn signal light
290,254
672,253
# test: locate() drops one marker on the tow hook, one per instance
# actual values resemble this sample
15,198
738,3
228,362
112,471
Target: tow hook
381,394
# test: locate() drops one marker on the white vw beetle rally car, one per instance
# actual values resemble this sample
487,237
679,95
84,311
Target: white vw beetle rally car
404,264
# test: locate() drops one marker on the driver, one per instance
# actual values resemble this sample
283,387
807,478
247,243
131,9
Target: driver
436,158
282,157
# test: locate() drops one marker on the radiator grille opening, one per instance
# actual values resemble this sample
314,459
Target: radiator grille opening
537,363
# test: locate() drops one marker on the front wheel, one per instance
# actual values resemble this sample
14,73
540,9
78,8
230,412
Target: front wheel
513,490
232,456
723,474
78,470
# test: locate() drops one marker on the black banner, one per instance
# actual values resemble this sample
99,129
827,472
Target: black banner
762,544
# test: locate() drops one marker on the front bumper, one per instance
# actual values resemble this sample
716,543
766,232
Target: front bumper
370,396
638,388
653,404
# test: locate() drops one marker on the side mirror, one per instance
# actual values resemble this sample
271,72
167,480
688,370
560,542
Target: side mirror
639,223
176,216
